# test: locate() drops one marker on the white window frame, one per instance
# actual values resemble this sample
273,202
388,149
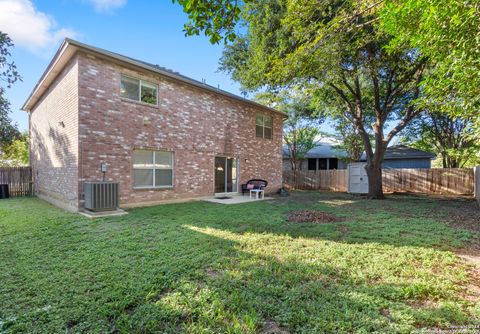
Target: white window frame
153,167
264,126
139,95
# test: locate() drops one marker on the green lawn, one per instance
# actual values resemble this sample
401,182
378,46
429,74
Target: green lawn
199,267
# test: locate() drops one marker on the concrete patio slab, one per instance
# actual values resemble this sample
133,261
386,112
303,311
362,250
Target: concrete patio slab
233,199
100,214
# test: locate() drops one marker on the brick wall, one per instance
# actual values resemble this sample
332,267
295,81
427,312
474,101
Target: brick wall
194,124
54,140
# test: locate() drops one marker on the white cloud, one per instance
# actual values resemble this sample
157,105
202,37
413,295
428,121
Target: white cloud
107,5
29,28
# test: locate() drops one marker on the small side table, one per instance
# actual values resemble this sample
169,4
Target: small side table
257,191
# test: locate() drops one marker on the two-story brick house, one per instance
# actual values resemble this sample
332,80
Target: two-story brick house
162,135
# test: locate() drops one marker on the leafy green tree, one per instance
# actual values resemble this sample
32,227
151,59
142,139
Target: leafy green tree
299,139
15,153
216,18
453,139
444,31
337,51
8,76
350,140
383,59
447,33
300,129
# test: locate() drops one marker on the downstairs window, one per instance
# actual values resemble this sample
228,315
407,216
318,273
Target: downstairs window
152,169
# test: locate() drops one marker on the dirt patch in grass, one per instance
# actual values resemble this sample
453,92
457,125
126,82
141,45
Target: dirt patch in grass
458,211
271,327
466,216
386,313
344,230
312,216
422,304
309,197
212,273
162,294
472,289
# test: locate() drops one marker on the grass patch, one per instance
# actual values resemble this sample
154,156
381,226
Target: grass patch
208,268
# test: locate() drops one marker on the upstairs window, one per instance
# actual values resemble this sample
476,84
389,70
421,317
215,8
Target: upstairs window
152,169
264,126
138,90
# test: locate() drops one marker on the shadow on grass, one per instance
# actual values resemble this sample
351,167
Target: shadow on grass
201,267
397,221
219,281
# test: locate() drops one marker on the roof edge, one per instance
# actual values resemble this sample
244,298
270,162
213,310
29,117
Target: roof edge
44,74
112,55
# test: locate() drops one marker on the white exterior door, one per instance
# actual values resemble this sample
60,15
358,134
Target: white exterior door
357,178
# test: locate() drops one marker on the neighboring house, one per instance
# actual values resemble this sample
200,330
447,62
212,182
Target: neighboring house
401,156
163,136
325,156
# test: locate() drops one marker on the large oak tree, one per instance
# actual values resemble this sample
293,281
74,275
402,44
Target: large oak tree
334,48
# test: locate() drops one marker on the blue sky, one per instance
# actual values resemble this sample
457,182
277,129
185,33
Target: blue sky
147,30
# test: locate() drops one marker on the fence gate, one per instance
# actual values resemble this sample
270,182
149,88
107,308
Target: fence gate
357,178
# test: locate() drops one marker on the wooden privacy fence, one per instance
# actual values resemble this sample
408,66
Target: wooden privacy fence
19,180
334,180
477,184
455,181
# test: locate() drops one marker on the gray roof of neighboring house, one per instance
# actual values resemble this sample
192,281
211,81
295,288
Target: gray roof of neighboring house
404,152
327,150
322,150
55,66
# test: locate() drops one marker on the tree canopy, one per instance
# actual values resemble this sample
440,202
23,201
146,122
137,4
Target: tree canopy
8,76
215,18
336,50
15,153
349,140
300,130
377,64
454,140
447,33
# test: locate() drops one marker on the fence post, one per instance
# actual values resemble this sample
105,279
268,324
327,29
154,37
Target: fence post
476,184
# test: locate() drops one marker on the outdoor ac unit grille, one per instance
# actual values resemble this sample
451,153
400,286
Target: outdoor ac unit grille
101,196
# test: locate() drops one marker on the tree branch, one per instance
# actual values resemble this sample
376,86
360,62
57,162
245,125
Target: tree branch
342,95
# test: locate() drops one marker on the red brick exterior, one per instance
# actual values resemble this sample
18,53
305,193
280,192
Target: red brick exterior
195,124
54,141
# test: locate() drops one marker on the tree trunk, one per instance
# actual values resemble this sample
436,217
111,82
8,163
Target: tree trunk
374,166
294,173
295,169
375,183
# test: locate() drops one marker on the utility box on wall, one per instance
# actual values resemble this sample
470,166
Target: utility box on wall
357,178
101,196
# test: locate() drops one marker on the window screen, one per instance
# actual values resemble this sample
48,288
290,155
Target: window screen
152,169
